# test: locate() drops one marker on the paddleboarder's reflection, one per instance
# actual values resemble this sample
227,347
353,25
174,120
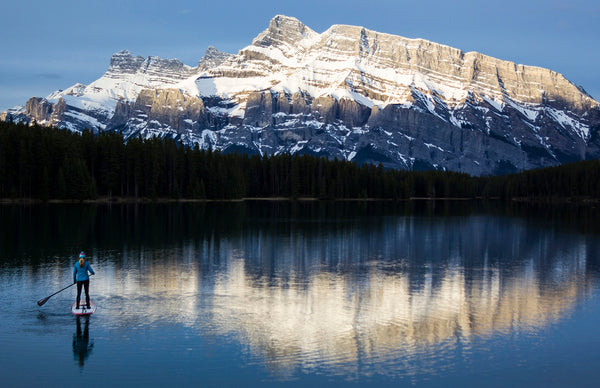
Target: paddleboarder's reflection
82,348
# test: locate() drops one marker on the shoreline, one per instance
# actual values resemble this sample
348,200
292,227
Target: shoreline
128,200
29,201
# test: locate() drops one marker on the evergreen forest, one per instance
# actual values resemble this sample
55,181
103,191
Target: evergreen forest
41,163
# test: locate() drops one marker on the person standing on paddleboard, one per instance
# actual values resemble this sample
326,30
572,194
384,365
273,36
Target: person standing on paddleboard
81,277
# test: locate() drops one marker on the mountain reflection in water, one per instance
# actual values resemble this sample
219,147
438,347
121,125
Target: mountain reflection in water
335,291
337,288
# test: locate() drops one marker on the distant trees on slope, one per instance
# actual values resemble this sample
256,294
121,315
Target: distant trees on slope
48,163
577,181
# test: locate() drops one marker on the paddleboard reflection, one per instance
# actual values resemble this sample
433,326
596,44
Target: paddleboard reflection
82,347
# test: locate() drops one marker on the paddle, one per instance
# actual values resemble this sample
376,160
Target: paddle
42,301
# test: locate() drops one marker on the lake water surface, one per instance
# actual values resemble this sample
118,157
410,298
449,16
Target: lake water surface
307,293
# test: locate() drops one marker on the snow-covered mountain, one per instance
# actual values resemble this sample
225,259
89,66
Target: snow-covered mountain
349,93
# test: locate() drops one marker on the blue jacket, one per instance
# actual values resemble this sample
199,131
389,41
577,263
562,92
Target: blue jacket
81,273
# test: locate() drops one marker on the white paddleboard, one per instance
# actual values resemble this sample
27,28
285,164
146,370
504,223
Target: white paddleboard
83,310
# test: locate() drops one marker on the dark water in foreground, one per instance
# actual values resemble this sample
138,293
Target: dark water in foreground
274,293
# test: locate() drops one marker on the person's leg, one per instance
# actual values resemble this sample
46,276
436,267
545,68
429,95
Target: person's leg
86,285
79,284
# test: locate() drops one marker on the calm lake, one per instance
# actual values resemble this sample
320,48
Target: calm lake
306,293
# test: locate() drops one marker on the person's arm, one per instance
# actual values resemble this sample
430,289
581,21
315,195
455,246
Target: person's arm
74,274
90,269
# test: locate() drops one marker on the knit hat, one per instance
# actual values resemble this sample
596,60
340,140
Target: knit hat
82,255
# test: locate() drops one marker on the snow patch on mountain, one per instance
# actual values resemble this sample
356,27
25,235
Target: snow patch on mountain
347,92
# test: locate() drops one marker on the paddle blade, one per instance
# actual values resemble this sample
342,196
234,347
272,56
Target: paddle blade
42,301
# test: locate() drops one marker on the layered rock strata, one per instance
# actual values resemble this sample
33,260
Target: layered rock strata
349,93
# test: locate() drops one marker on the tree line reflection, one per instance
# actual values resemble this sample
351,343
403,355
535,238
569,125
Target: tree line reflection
310,283
339,290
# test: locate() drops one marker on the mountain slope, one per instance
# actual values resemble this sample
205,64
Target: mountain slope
349,93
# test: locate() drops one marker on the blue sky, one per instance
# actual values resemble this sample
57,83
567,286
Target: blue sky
50,45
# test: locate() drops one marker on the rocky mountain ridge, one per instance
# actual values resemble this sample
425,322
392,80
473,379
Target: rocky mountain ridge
349,93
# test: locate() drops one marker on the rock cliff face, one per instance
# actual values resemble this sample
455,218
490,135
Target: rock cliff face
349,93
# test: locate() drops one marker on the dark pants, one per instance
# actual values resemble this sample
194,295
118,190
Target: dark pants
86,285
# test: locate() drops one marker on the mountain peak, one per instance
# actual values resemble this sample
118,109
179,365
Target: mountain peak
124,62
283,29
285,22
211,51
212,58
